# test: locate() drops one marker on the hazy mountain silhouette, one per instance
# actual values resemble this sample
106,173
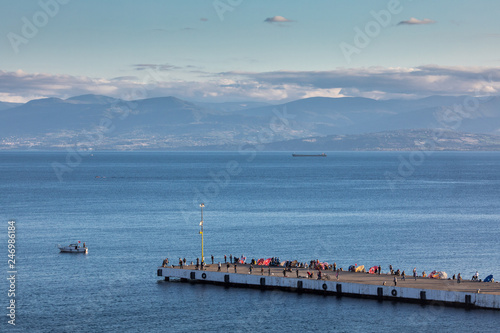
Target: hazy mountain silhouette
169,122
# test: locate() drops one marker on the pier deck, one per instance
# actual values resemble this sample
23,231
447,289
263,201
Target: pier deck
425,290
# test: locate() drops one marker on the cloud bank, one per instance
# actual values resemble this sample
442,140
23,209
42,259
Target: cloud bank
372,82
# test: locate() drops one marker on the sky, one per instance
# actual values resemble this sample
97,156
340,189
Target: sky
248,50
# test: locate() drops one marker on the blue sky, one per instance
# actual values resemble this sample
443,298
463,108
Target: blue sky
224,50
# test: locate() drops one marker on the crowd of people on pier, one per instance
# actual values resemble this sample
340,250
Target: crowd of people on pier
314,266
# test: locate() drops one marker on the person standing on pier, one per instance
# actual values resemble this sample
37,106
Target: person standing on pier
415,273
230,258
262,271
297,270
395,281
284,272
227,265
235,268
225,259
459,278
250,269
334,266
197,263
180,263
218,267
337,275
212,259
403,275
379,269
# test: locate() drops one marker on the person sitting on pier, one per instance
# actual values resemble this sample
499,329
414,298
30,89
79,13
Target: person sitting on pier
398,272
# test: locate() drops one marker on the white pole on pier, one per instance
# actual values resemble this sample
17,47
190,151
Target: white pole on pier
201,232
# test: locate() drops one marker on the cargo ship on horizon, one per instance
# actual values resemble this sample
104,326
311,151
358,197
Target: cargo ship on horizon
309,155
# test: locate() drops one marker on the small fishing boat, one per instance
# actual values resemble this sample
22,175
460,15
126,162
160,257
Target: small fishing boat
74,248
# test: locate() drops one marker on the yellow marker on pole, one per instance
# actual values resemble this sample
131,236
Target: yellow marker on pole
201,232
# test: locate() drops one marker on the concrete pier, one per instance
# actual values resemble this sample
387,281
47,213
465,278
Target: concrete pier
467,294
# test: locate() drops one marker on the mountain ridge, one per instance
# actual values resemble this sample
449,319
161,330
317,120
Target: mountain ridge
170,123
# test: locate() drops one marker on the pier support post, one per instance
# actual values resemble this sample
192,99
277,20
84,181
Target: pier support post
468,301
423,296
339,289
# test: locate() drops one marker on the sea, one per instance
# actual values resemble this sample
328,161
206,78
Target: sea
424,210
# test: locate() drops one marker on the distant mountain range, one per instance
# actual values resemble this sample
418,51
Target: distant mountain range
313,124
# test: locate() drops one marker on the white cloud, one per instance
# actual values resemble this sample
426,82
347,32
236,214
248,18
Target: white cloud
277,19
417,21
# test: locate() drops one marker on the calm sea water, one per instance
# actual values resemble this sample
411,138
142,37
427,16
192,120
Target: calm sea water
438,211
